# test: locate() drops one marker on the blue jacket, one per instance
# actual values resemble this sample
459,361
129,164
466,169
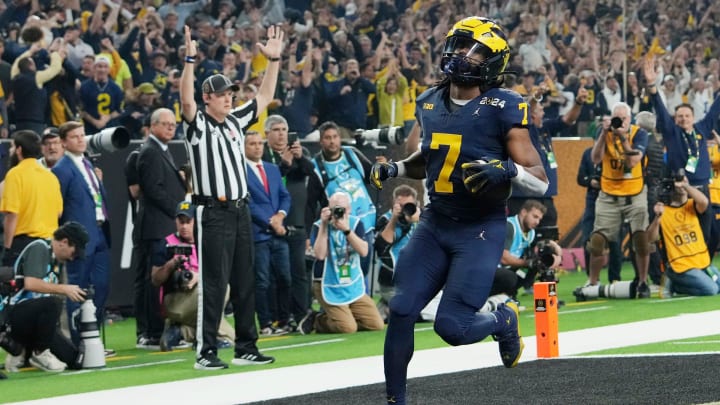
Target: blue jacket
78,202
262,205
678,145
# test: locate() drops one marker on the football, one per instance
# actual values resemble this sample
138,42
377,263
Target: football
495,194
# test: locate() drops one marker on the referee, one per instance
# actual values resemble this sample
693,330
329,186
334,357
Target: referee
215,144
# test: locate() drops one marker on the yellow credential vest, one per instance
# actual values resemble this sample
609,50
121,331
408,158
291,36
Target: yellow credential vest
714,187
683,239
616,180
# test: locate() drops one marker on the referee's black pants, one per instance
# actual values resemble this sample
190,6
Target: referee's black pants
226,252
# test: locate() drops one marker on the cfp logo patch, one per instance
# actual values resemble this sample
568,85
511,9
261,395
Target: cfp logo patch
428,106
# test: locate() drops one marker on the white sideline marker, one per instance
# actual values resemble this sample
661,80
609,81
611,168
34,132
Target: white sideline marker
313,378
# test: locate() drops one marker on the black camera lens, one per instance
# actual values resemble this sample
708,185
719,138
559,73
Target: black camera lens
616,122
338,212
409,209
680,175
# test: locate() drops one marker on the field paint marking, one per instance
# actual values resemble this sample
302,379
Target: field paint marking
697,342
665,300
579,304
576,311
637,355
322,342
154,363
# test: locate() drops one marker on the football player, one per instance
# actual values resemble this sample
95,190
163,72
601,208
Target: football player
475,143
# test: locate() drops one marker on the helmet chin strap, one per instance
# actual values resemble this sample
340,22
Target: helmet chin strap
453,69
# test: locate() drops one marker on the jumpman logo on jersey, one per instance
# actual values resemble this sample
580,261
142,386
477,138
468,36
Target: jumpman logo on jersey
481,236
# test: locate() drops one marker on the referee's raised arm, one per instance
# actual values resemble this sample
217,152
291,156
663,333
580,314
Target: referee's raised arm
272,51
187,80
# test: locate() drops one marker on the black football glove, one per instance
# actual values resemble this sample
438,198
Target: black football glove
381,172
481,175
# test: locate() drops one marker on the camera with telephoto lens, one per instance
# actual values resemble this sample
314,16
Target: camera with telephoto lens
181,276
541,260
383,135
338,212
616,122
667,186
9,285
407,211
107,141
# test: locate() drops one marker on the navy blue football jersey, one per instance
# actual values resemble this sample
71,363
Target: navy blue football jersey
450,138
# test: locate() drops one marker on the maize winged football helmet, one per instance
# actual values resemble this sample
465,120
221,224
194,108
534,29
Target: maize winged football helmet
476,52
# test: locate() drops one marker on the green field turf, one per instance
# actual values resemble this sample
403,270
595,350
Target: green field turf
136,367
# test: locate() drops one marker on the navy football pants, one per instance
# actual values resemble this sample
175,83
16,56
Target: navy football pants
460,256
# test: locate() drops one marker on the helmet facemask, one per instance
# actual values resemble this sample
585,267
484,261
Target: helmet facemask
470,63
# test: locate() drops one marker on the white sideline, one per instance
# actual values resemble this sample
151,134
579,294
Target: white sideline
299,380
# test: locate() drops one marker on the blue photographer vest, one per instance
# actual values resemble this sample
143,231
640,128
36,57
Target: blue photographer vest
399,240
347,176
520,241
339,288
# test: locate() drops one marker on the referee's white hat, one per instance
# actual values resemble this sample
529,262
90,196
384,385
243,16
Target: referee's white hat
217,84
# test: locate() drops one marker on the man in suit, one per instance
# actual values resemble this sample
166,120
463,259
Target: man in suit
298,172
161,189
85,201
269,204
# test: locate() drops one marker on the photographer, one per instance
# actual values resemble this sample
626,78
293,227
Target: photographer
30,309
175,267
339,283
620,147
522,256
393,232
677,226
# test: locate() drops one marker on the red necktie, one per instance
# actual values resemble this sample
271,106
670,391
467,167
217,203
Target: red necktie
263,177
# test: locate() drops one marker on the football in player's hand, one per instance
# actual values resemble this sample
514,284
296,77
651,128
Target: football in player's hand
492,194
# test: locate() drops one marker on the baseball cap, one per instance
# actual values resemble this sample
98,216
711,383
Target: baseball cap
103,59
668,77
76,234
146,88
185,208
217,84
50,132
350,9
235,47
157,53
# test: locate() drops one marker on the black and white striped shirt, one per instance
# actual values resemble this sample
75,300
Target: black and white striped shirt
217,152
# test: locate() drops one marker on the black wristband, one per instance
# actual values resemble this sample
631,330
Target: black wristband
274,59
189,59
346,232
